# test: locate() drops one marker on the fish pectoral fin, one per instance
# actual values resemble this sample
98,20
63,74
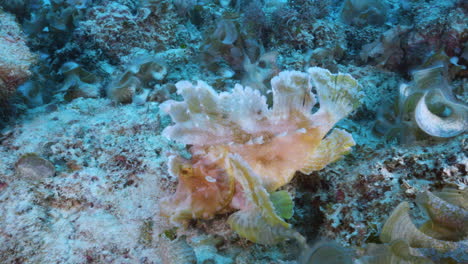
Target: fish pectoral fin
338,94
283,203
332,148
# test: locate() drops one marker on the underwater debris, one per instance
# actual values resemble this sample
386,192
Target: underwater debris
15,57
272,143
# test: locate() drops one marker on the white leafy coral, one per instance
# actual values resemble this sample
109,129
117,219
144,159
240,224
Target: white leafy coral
273,142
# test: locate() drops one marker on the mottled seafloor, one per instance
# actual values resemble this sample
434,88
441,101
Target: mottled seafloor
60,64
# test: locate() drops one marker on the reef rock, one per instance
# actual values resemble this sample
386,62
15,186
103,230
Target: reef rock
15,56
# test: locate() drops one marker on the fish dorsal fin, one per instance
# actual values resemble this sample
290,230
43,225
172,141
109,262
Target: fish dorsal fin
332,148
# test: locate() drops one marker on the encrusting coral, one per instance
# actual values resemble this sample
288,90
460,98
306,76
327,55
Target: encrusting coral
242,150
15,57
